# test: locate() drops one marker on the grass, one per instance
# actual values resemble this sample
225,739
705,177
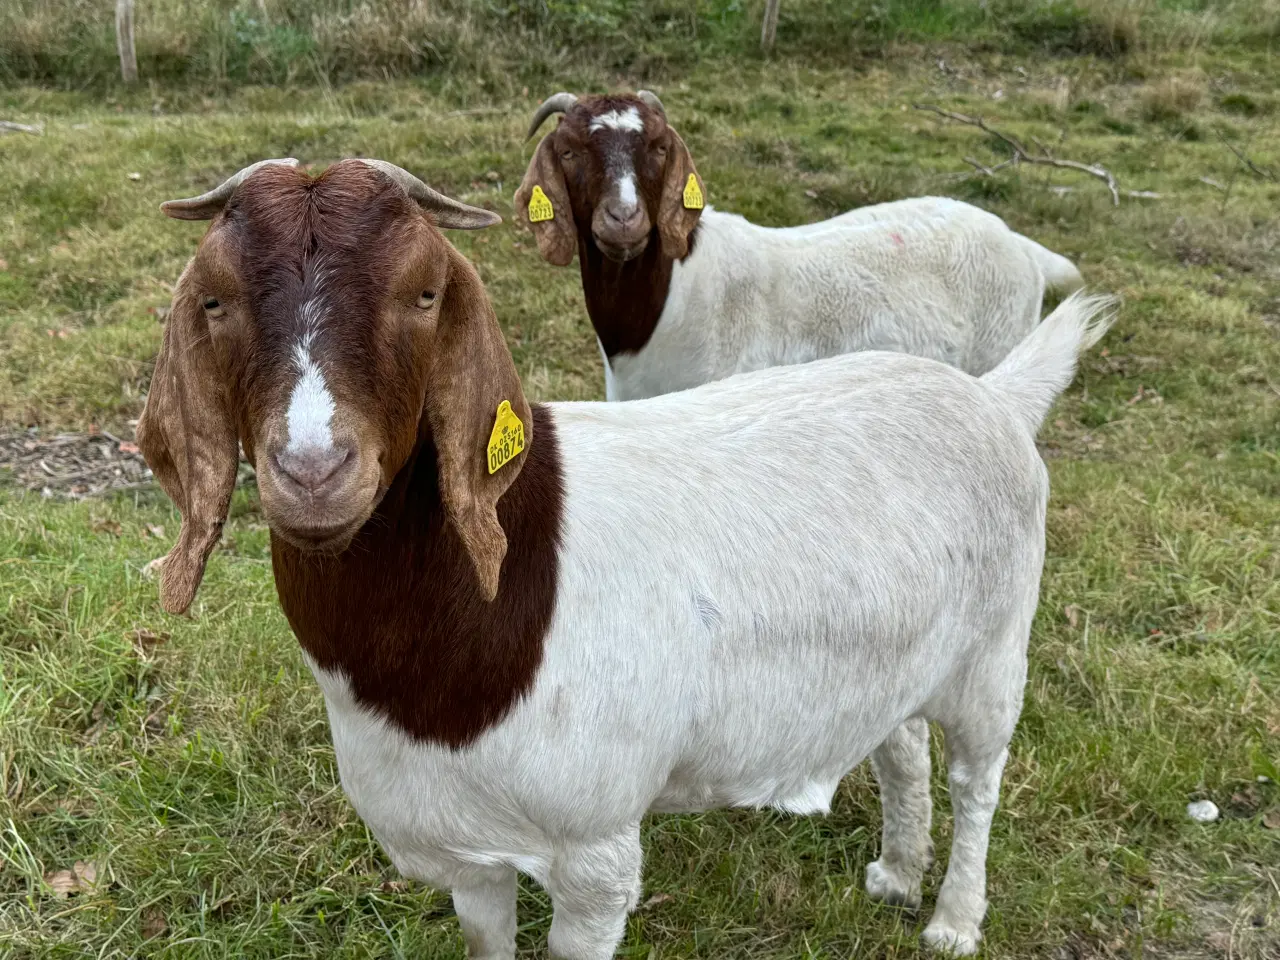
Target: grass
189,757
71,43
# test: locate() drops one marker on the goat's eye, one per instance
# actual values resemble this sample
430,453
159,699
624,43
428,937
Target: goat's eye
566,155
212,307
426,299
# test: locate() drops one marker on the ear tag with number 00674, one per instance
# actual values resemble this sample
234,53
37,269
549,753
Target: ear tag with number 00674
692,194
507,439
540,206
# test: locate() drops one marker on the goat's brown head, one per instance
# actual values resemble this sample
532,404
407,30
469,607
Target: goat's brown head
612,170
327,325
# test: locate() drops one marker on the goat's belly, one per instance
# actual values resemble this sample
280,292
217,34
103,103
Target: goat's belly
681,795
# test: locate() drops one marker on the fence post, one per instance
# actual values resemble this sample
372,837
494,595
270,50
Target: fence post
124,41
770,29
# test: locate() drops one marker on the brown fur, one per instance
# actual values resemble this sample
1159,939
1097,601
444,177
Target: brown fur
189,441
388,363
435,592
400,616
624,299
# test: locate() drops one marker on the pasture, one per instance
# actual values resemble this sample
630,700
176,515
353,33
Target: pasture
184,763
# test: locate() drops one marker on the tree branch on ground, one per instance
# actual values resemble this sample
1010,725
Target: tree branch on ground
1020,152
1243,158
8,126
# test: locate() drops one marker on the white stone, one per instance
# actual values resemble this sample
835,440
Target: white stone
1203,811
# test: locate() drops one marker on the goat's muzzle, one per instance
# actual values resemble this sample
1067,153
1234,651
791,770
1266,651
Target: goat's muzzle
318,497
621,232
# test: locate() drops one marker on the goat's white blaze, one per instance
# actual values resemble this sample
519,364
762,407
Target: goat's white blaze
627,189
628,119
311,404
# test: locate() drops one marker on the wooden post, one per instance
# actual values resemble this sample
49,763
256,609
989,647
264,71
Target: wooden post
124,41
770,30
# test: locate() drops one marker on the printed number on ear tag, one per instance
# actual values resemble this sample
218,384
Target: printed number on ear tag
540,207
692,194
507,438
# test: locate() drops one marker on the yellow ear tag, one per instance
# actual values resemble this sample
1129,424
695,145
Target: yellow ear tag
692,194
539,207
507,438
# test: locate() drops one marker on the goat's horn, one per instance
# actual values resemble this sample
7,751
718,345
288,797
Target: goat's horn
449,213
207,205
560,103
651,98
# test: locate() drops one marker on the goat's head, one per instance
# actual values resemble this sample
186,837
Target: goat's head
612,168
327,325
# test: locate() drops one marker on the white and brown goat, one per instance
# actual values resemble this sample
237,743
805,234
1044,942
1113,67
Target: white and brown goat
681,295
722,597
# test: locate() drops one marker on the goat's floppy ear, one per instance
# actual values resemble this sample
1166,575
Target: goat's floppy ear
471,374
682,200
188,438
542,203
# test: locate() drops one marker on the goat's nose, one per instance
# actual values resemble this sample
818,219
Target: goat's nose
310,467
623,218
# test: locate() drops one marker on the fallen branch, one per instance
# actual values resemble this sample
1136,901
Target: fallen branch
8,126
1022,155
1240,155
986,171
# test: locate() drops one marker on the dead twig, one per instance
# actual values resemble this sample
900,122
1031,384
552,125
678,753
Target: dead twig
769,29
1022,155
1240,155
986,171
8,126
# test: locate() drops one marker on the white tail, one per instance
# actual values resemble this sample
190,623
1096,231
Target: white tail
1039,368
1059,273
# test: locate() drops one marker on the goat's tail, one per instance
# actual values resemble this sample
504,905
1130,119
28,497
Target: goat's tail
1044,363
1059,273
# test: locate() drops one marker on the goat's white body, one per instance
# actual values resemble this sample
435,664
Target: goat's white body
759,582
929,276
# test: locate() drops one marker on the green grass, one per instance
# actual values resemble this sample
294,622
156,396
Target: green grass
506,43
198,772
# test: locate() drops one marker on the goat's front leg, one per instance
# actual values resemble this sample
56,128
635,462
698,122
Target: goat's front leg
485,903
593,886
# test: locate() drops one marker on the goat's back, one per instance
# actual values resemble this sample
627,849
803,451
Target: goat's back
934,278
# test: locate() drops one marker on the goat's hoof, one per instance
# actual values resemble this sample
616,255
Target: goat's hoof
946,939
884,884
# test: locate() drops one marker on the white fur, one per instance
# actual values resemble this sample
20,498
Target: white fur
628,119
627,189
761,582
310,414
929,276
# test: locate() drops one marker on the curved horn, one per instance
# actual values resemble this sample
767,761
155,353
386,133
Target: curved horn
207,205
560,103
651,98
451,214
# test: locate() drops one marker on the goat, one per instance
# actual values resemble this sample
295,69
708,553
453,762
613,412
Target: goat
680,294
533,623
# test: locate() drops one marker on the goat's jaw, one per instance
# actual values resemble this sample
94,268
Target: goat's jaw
317,540
621,253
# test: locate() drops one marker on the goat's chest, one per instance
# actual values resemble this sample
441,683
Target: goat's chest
429,815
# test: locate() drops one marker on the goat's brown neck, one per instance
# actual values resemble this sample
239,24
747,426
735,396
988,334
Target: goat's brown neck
624,300
400,614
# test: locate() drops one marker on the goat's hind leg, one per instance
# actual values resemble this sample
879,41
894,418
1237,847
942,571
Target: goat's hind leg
901,766
978,727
